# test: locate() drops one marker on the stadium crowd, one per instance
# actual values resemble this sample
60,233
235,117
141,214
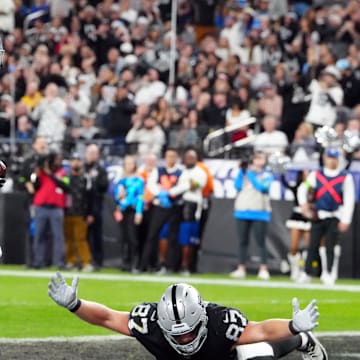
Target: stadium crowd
78,72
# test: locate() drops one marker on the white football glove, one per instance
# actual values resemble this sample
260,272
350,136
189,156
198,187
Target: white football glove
63,294
304,320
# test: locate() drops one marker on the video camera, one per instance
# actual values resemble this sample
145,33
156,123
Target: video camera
47,161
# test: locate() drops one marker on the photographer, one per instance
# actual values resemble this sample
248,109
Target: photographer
24,184
252,211
50,184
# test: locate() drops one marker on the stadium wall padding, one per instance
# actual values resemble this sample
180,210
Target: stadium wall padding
13,228
219,248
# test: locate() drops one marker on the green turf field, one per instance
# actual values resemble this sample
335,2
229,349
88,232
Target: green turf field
27,311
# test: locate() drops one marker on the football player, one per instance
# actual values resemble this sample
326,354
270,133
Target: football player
184,326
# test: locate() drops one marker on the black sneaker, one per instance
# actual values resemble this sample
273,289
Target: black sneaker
313,350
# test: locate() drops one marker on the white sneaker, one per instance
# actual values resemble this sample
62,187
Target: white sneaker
294,261
303,278
162,271
327,279
88,268
184,272
284,267
263,274
324,275
238,274
70,267
313,350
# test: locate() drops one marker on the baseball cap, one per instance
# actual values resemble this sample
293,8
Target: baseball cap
75,156
343,64
333,152
333,71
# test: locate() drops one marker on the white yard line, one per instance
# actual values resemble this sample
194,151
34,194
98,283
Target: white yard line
190,279
91,338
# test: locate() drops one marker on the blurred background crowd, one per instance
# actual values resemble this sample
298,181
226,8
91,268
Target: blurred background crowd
92,71
76,71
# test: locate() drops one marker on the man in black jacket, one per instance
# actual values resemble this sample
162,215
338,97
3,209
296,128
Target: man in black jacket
119,120
97,183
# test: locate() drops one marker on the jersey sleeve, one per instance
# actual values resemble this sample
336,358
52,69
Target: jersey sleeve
229,322
141,319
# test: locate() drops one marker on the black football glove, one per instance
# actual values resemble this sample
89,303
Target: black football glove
2,182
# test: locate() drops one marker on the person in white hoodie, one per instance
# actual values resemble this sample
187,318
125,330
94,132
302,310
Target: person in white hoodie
148,135
331,214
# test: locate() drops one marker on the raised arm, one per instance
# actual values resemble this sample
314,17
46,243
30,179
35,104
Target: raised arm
91,312
276,329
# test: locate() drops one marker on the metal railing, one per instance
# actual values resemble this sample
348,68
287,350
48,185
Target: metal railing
219,138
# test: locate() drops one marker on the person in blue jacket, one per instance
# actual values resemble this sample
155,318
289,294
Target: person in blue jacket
129,199
252,211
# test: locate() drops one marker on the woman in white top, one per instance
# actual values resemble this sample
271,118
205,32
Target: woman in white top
236,114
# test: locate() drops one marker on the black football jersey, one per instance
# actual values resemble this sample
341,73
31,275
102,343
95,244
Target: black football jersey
225,326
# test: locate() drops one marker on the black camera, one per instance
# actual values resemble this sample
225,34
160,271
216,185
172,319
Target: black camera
47,161
246,157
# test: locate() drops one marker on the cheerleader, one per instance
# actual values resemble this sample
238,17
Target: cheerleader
298,225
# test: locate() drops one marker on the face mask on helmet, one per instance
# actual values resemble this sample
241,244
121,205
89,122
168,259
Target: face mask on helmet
182,318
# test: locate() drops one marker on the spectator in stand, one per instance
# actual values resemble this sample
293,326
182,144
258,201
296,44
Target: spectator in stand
326,96
183,136
253,212
151,89
270,103
50,184
161,112
97,183
50,116
129,199
78,103
304,143
79,137
148,134
250,52
32,96
236,115
350,82
271,140
78,215
24,133
7,18
6,114
214,115
118,121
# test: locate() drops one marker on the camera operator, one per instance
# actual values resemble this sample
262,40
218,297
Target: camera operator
24,184
50,184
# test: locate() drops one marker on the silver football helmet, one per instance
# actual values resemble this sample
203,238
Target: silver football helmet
182,318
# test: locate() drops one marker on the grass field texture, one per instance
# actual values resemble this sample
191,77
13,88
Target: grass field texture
27,311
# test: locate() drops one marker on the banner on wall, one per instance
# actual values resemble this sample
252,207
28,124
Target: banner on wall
225,172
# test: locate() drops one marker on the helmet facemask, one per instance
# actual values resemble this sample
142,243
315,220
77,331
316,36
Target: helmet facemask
182,318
